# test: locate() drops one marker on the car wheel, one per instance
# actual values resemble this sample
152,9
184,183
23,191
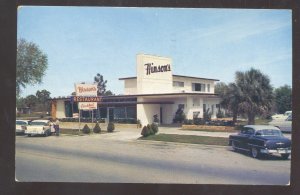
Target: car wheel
285,156
29,135
254,152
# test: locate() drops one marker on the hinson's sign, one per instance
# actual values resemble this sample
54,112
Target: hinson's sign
150,68
86,89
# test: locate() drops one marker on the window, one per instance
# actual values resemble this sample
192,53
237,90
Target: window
208,87
247,131
198,87
178,84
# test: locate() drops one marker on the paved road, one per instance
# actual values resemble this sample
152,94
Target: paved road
120,158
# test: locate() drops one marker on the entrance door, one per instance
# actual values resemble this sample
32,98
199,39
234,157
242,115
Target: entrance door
110,114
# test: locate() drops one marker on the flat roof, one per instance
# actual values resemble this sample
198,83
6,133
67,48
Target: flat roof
148,95
175,75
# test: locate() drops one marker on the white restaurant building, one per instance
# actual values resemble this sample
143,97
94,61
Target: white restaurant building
154,90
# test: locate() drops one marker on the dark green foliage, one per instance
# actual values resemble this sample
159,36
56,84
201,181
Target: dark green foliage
150,129
179,116
154,128
207,115
283,99
199,121
97,128
145,131
110,127
31,64
155,118
220,114
188,121
86,129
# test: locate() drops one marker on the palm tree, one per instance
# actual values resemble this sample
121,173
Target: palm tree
231,98
255,93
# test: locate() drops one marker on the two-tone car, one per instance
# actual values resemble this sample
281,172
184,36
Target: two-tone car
284,125
261,140
40,127
21,126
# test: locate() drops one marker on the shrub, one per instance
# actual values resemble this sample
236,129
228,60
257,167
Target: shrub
155,118
179,116
86,129
110,127
207,115
220,114
154,128
145,131
139,124
150,129
97,128
199,121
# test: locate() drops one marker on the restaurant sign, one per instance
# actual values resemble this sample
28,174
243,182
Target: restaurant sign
85,99
87,105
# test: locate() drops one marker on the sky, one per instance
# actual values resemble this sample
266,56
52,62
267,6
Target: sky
211,43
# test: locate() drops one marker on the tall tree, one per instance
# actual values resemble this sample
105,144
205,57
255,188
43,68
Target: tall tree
43,99
31,64
256,93
283,98
101,84
31,101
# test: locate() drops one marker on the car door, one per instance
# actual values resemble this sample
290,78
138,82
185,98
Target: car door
247,135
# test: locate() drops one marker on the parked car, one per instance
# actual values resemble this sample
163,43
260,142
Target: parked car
281,116
40,127
261,139
283,125
21,126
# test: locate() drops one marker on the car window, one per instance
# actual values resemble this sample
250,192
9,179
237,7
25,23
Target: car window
269,132
21,123
39,123
247,131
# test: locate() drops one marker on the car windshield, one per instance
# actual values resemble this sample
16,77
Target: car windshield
39,123
21,123
269,132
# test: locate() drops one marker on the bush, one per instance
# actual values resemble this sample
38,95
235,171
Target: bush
138,122
86,129
145,131
179,116
154,128
97,128
220,114
110,127
150,129
199,121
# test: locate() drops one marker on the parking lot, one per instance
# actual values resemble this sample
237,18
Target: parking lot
120,157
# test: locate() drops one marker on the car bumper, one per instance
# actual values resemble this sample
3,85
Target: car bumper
276,151
34,132
20,131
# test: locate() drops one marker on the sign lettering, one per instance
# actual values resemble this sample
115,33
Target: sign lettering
150,68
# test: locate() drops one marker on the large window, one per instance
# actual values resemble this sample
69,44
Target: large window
198,87
178,84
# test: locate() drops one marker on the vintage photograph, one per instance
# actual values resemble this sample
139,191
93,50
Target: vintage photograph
153,95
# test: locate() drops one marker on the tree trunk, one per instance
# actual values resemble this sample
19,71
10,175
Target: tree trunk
251,118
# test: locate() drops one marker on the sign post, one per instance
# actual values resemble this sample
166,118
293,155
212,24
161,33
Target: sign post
86,96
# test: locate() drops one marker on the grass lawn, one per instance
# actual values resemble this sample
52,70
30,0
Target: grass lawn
211,130
192,139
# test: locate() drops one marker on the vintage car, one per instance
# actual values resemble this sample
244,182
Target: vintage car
283,125
40,127
21,126
281,116
260,140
